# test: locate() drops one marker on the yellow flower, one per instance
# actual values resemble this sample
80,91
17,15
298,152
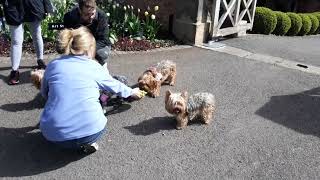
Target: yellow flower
156,8
153,16
124,7
146,13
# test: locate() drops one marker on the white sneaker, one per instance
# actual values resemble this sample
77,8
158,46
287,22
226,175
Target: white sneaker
89,148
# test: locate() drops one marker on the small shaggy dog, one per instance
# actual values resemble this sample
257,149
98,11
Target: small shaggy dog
152,79
201,105
36,77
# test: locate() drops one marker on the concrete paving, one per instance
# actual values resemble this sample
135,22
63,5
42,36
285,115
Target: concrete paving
266,126
303,49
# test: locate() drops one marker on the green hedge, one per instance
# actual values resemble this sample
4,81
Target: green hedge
306,24
279,23
318,16
296,24
315,24
283,23
265,21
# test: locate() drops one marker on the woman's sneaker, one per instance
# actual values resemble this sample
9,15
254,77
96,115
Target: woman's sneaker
89,148
14,77
41,64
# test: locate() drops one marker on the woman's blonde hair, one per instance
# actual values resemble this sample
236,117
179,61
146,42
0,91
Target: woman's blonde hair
76,42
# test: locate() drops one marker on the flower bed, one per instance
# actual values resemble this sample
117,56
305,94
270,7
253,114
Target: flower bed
130,29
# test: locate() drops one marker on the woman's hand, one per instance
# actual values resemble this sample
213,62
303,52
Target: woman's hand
138,94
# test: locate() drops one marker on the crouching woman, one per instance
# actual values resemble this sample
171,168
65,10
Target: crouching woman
73,117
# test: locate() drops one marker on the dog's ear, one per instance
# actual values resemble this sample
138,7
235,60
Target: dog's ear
184,94
168,93
141,82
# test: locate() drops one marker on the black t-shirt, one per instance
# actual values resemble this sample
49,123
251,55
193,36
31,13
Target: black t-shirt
34,10
99,27
13,11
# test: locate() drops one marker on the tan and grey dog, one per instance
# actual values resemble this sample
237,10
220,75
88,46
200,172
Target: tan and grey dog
36,77
200,105
152,79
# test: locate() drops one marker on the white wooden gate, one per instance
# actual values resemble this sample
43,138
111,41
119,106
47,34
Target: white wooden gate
231,17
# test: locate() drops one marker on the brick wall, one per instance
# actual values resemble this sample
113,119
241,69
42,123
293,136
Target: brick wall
167,8
308,6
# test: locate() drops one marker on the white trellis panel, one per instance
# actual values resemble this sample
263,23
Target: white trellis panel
234,11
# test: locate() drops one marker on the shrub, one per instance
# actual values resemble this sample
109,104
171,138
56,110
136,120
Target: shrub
150,26
315,23
296,24
306,25
4,45
127,21
265,21
318,16
283,23
61,7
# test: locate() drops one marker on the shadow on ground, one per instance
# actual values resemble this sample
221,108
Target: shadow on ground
152,126
300,112
37,103
24,76
24,152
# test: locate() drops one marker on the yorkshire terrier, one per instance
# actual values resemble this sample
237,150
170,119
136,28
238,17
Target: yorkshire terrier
152,79
36,77
200,105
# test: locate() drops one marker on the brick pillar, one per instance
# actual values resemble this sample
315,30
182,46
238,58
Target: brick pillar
191,23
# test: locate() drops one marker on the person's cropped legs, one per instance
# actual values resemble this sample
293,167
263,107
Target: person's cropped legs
103,54
16,45
35,28
16,33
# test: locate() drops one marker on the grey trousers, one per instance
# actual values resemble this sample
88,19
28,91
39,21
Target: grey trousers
103,54
17,40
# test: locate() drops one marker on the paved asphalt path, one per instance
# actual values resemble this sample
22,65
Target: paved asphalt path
302,49
266,126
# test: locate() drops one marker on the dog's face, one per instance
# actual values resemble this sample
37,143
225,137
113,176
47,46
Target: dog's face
36,77
149,84
176,103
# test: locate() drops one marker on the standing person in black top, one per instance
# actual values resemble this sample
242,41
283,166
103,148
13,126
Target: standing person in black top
87,14
18,12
